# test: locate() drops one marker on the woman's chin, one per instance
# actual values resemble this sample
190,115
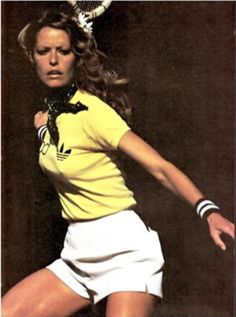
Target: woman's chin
56,83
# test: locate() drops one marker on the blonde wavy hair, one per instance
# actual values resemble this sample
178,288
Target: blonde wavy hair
94,71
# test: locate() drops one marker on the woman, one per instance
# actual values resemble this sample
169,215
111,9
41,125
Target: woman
80,132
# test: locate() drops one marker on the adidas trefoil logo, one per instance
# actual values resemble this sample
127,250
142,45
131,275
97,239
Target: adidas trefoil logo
61,154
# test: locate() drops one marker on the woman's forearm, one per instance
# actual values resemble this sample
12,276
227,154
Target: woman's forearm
176,181
163,171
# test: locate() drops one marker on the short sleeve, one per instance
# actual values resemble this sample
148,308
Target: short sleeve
105,127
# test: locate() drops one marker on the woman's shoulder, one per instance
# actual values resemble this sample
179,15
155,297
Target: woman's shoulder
98,112
92,102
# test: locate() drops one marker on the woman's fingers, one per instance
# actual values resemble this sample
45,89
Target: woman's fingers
218,241
230,230
218,226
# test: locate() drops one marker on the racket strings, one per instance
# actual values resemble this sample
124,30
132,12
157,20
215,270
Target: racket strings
88,6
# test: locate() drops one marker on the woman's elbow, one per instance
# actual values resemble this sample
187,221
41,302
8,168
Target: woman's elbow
160,170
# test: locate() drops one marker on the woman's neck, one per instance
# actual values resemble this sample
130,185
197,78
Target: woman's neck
61,93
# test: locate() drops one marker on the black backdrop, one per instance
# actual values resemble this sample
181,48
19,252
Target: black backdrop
179,58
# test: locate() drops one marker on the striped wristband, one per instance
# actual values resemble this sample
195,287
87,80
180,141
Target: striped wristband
41,132
205,207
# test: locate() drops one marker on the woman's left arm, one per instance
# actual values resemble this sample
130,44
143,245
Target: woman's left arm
173,179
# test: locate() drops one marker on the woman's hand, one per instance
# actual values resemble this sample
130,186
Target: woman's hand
40,118
217,226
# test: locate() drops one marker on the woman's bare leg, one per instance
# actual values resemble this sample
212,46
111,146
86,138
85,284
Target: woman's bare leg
131,304
41,294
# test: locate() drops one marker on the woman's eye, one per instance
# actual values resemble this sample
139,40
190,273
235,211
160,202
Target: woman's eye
65,52
42,51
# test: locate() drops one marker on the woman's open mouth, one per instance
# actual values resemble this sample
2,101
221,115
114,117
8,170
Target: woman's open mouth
54,73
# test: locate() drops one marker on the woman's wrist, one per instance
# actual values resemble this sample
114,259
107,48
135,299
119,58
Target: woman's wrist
205,207
211,217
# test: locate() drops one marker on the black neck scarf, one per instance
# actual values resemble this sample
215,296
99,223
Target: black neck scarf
57,103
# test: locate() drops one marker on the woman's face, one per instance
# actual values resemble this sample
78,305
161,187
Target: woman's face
53,56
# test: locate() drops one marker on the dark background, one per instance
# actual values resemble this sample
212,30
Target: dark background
179,57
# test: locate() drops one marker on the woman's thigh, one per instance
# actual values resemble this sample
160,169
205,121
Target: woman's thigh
41,294
130,304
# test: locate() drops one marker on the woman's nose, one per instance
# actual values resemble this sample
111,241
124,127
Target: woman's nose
53,58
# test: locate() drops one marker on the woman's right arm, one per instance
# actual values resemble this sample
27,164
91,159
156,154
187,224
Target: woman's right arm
175,180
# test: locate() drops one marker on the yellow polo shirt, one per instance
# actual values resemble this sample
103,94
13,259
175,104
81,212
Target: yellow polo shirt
83,167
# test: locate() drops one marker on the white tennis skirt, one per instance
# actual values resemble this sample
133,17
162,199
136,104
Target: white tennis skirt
110,254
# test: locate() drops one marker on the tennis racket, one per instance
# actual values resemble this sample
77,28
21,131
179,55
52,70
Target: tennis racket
91,9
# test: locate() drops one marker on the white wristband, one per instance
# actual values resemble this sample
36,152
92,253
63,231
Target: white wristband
204,206
41,132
